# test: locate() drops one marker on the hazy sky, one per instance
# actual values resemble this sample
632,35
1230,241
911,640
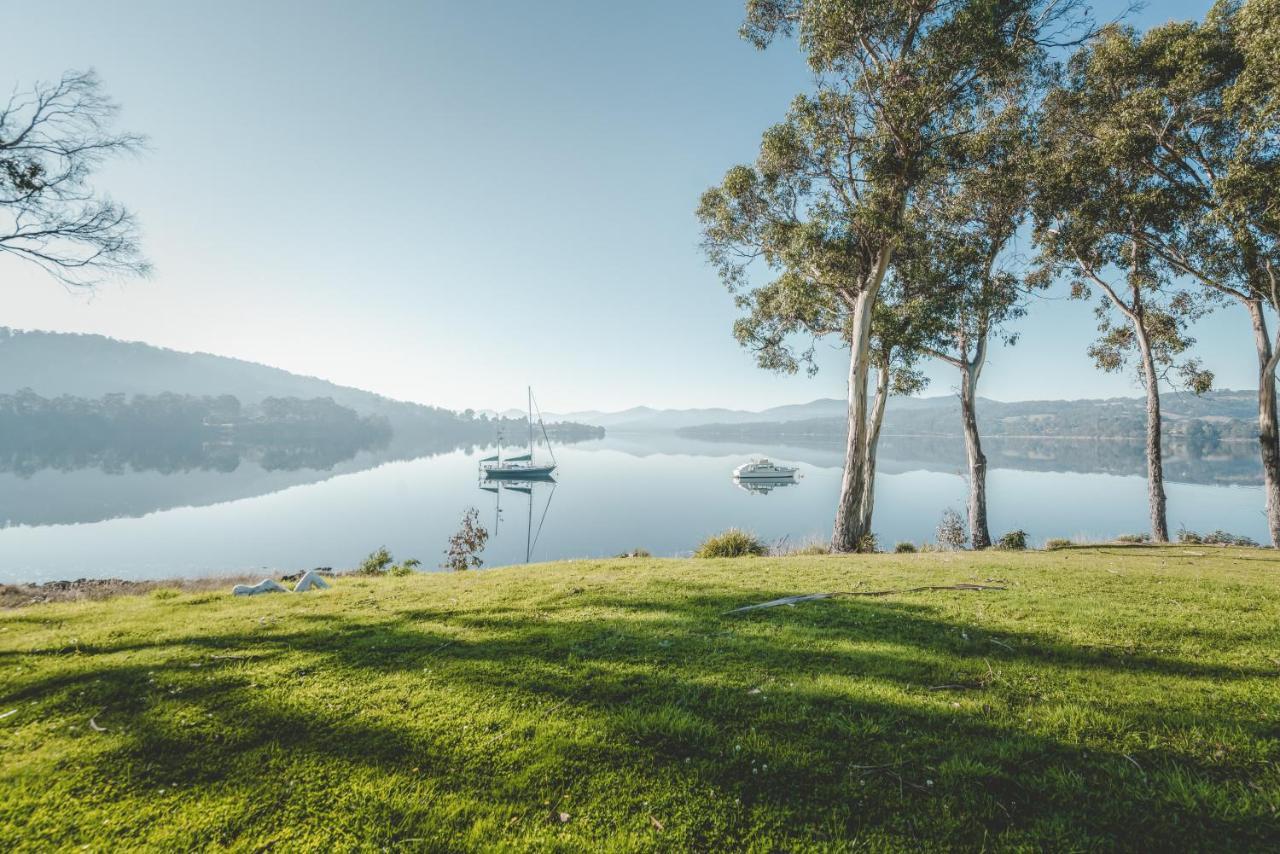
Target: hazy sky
443,202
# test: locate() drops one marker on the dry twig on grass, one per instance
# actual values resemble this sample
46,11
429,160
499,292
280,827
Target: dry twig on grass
810,597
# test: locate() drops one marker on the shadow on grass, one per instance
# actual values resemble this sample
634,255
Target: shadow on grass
842,718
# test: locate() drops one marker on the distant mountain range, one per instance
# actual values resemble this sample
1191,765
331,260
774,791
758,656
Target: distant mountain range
1216,416
1230,412
91,366
645,419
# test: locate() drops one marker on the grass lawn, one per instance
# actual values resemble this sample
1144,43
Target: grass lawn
1109,698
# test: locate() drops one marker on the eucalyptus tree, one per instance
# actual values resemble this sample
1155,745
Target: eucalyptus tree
1194,109
966,266
1216,119
824,208
53,137
1100,207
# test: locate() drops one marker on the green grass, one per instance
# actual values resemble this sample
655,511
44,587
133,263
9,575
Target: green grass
1110,698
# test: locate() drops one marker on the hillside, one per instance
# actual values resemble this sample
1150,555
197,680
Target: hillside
53,364
1210,418
1106,699
92,366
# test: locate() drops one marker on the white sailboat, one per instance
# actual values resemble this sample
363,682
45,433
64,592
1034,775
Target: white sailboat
521,466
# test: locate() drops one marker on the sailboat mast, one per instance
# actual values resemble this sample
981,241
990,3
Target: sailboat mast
530,390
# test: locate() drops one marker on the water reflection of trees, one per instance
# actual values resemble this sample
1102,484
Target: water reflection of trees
171,433
1223,463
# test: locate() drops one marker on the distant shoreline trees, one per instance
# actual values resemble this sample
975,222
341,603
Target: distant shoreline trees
1150,166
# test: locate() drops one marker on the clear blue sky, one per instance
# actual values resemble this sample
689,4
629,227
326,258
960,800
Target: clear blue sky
444,201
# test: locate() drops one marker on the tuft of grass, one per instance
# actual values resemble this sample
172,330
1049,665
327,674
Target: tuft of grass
1133,539
734,542
1057,543
1106,699
905,547
809,547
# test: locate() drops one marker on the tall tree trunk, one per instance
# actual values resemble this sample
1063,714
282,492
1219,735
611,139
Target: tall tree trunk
1155,455
852,524
1268,440
873,441
973,447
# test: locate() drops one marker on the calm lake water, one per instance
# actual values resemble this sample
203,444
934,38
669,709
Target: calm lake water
659,492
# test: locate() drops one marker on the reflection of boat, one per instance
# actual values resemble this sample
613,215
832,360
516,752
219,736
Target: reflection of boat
522,466
763,485
526,487
763,469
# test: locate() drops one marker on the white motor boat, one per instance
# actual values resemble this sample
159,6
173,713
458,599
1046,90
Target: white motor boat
763,469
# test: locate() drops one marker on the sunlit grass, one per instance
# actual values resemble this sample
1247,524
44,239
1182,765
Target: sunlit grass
1109,698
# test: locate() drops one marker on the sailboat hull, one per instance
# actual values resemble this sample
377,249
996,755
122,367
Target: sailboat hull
519,472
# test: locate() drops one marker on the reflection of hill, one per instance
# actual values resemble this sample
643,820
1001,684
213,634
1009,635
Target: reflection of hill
90,489
1230,462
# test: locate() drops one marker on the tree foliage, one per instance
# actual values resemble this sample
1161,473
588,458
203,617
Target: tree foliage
53,138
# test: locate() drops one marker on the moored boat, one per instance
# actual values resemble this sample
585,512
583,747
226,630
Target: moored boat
763,469
521,466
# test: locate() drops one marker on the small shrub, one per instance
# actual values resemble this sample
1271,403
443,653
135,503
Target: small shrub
1057,543
466,543
1014,541
381,562
734,542
405,568
376,563
868,545
1133,539
951,530
1222,538
1189,538
636,553
905,548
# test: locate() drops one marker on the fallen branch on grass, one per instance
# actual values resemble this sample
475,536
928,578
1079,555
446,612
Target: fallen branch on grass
792,600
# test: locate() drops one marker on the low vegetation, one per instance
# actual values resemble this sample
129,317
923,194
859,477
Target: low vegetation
1014,541
1106,698
1133,539
734,542
380,562
466,544
951,531
1213,538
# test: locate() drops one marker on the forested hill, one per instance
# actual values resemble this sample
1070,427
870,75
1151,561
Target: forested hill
1210,417
92,366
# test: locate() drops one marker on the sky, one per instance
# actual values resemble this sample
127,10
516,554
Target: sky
444,202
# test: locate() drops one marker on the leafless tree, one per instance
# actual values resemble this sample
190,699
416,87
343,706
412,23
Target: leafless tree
53,137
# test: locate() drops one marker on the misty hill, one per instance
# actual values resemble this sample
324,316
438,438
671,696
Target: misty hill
647,419
930,415
93,366
1210,417
54,364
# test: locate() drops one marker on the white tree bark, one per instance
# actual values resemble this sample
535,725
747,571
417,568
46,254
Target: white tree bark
1268,440
852,524
873,441
970,371
1155,455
